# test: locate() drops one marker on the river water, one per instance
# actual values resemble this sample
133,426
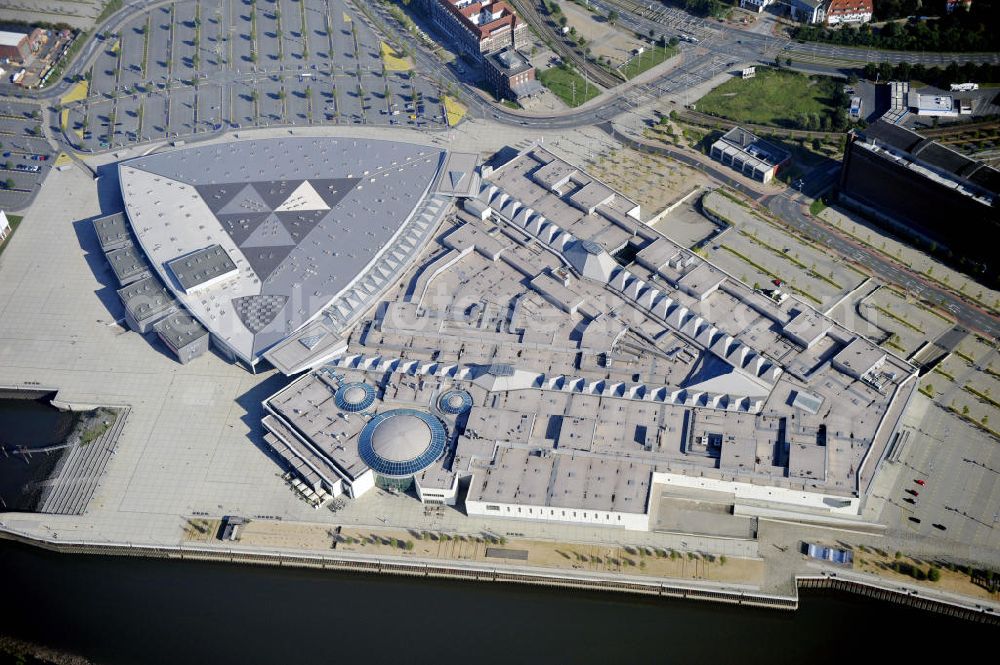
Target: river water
131,611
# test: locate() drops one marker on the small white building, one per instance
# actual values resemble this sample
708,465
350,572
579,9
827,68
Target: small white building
755,5
934,105
807,11
4,226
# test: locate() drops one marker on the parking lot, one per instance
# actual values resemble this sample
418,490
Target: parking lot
25,155
968,383
200,67
758,251
907,323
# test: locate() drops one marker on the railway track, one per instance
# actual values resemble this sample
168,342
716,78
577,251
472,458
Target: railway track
705,120
528,9
961,128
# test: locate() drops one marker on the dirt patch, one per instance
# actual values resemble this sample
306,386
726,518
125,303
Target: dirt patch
606,40
951,581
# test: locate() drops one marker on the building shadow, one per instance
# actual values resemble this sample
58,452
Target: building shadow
110,200
86,237
251,402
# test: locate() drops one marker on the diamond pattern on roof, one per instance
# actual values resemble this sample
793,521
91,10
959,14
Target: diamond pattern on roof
257,311
272,233
264,260
239,227
303,198
275,192
456,177
248,200
217,196
332,190
299,224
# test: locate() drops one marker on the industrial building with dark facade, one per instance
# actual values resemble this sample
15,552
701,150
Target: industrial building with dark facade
925,190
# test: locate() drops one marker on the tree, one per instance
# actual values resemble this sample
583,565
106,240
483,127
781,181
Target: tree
934,574
612,17
8,183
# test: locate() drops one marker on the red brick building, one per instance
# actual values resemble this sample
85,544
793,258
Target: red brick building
511,75
479,28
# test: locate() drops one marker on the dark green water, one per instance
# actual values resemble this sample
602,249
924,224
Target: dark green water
33,423
120,611
26,423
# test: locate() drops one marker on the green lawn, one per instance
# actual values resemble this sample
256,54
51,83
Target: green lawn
561,82
774,97
14,220
651,57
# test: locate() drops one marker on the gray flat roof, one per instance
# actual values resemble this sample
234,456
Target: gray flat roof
564,480
458,175
8,38
127,263
934,154
701,280
749,143
859,356
112,231
146,298
201,266
807,326
180,329
510,62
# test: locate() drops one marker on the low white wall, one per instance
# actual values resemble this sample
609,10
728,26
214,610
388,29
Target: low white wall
362,484
778,495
